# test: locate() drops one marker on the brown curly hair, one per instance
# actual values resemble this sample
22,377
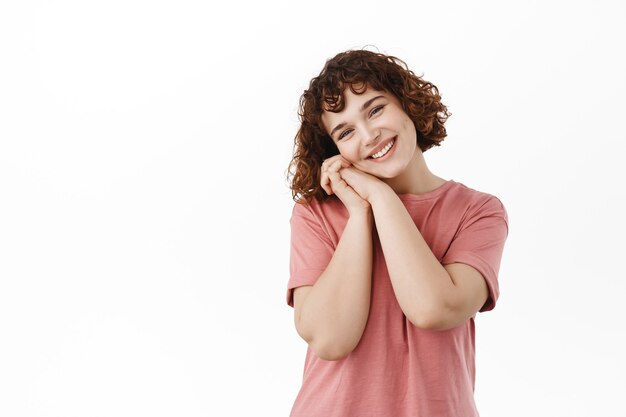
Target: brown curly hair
358,70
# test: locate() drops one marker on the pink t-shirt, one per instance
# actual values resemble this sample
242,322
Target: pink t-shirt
397,369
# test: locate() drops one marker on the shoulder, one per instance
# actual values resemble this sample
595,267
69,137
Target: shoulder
330,208
477,203
325,219
475,198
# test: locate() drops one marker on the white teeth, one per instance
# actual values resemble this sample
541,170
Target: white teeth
384,150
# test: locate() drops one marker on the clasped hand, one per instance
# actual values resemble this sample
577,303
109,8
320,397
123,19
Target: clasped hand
352,186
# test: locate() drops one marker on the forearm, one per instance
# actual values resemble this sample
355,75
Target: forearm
421,284
334,312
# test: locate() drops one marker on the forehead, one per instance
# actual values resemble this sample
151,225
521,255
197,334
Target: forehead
351,103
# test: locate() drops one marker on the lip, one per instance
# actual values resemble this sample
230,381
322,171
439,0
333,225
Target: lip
381,146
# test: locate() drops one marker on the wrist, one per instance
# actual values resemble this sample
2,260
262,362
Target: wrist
381,192
362,214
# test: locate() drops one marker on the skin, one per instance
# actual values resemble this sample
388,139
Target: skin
363,131
432,296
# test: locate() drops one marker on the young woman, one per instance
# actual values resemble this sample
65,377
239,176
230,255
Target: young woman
389,262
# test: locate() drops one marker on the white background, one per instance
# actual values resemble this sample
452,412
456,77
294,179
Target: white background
144,212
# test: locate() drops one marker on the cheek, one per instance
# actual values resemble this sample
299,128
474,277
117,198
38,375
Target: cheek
409,127
348,153
407,123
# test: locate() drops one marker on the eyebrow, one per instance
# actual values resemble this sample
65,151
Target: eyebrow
363,107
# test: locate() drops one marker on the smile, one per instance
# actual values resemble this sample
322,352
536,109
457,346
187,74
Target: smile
383,151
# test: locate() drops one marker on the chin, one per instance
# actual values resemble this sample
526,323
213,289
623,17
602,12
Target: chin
389,173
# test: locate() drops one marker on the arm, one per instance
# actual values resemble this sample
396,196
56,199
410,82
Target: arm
430,295
331,315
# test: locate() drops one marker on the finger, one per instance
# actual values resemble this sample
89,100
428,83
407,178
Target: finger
337,183
345,163
328,162
334,163
346,170
324,180
335,166
325,183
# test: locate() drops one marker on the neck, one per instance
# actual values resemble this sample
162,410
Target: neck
416,178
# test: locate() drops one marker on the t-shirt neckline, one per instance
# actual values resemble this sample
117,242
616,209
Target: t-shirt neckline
431,194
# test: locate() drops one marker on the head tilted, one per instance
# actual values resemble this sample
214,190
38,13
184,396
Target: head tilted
358,70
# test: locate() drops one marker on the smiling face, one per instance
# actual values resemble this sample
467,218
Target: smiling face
374,133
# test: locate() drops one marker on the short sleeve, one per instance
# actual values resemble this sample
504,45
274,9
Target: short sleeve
480,242
311,249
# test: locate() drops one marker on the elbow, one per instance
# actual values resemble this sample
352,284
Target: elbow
434,318
427,323
330,351
326,348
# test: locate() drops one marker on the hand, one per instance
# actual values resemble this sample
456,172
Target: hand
365,185
324,178
336,185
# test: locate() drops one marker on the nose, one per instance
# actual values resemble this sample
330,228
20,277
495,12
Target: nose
371,135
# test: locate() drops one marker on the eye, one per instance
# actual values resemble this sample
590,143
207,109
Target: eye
344,134
376,110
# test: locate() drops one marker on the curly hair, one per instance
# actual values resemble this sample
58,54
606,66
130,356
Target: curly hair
358,70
